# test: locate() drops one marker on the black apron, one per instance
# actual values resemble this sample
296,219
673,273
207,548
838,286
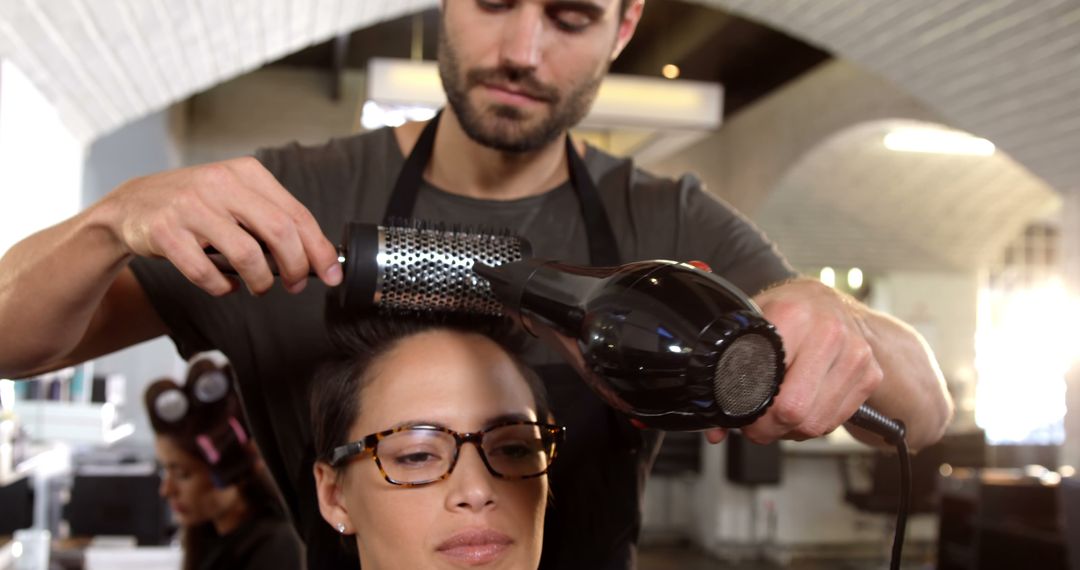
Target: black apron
594,517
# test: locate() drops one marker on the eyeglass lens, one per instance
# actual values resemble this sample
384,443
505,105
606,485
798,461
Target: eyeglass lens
418,455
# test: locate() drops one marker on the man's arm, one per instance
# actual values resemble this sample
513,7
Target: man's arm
63,285
66,293
841,354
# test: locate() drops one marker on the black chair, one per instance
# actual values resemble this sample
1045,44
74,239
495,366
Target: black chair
1069,498
883,495
119,504
17,506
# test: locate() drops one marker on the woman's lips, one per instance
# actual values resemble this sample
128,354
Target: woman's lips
476,546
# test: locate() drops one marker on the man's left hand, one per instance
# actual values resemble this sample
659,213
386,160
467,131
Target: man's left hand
830,367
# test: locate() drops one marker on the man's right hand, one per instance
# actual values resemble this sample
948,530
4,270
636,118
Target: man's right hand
231,205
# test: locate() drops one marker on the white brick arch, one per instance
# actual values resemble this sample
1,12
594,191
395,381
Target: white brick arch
1003,69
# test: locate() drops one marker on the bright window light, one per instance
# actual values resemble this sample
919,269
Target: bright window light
40,161
828,276
7,394
1023,348
376,115
937,141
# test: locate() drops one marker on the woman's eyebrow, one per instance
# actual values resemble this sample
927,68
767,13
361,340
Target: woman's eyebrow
414,423
505,418
499,419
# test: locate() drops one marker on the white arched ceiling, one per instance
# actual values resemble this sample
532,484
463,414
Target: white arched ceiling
107,62
1003,69
1006,70
844,204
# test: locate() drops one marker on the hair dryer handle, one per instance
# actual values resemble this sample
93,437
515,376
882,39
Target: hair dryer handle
874,421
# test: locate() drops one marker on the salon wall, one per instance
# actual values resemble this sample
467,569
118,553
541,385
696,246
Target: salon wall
270,107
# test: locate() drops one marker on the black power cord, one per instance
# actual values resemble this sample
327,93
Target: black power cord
905,502
894,432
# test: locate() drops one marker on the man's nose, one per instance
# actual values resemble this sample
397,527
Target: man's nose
523,36
471,484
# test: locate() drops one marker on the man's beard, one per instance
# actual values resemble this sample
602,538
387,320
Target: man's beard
505,127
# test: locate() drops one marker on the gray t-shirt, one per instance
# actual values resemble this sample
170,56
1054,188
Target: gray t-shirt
276,342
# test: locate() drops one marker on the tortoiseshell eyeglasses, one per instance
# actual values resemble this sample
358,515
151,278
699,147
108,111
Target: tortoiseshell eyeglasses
420,454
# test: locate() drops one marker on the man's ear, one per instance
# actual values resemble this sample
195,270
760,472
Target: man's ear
628,22
331,505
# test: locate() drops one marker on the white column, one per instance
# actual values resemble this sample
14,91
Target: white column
1070,254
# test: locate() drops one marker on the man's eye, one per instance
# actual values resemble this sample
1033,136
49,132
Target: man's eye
572,20
493,5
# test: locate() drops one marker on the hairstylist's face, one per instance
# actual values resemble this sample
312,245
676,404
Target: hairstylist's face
187,485
519,73
464,382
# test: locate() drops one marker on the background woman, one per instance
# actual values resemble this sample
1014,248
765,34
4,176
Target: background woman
224,500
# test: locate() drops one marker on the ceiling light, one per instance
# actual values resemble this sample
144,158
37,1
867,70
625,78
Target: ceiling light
828,276
855,278
670,71
937,141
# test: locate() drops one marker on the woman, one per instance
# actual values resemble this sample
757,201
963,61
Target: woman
220,493
433,443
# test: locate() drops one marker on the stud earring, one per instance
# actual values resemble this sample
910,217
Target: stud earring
341,528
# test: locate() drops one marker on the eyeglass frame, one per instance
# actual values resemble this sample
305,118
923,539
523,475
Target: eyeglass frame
550,433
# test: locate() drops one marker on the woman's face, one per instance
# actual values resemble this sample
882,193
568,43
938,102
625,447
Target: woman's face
464,382
187,485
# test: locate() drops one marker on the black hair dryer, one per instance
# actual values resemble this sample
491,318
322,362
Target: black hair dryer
671,346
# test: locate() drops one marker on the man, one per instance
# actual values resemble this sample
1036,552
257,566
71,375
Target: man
518,74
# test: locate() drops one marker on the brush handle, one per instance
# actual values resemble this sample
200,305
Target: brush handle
222,263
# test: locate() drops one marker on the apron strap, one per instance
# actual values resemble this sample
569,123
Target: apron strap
603,249
407,187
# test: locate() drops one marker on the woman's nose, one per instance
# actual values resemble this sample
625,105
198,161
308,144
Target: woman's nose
471,484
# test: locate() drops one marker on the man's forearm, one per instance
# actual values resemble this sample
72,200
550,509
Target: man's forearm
51,285
912,388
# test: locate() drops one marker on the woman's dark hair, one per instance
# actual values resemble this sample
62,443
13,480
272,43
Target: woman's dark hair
335,400
219,423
